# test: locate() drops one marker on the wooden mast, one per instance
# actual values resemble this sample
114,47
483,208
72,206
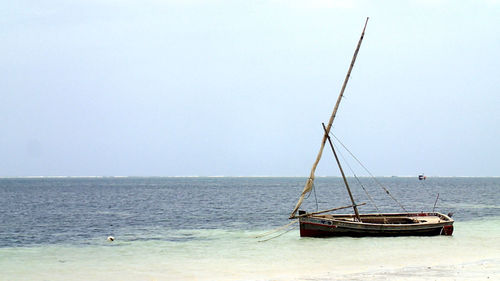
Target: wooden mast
354,206
310,180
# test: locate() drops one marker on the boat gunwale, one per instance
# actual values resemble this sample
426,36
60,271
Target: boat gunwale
446,220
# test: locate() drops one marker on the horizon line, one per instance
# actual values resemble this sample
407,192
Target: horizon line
251,176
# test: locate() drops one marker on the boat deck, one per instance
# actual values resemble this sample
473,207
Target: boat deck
417,218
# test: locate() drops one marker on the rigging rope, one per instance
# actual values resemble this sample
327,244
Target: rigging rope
359,182
373,177
315,197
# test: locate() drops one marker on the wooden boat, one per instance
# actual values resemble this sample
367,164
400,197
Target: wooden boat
320,224
403,224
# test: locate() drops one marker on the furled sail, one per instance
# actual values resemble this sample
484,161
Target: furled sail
310,181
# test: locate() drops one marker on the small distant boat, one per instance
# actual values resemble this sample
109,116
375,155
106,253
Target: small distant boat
321,224
422,177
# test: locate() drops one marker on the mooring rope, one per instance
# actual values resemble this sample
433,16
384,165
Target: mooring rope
276,229
292,228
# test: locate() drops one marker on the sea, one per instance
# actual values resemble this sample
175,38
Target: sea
235,228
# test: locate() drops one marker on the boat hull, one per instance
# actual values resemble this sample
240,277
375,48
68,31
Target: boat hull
376,225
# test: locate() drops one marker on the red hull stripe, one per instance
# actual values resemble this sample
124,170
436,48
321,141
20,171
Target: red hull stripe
319,224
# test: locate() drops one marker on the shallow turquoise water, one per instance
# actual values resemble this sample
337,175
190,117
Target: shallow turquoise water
473,252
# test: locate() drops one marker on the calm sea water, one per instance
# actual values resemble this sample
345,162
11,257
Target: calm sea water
205,228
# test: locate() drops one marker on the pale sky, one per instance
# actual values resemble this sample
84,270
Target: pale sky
240,88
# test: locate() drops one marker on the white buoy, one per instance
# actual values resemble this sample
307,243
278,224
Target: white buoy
111,238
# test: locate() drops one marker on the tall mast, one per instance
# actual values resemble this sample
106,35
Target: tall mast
354,206
310,180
